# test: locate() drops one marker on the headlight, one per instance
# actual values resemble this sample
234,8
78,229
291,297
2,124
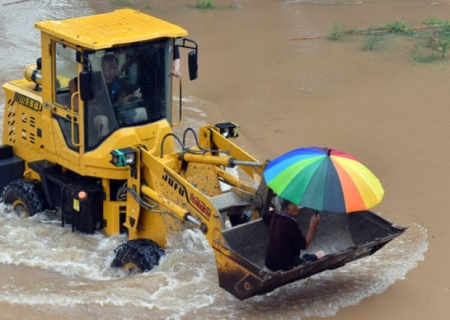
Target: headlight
228,129
123,157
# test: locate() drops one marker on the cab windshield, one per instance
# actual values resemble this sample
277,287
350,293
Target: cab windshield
130,86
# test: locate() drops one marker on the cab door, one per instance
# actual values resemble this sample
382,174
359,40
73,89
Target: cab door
67,105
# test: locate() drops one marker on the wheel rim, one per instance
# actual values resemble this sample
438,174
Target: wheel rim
21,209
131,268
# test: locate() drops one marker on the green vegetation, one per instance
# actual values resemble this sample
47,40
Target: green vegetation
204,4
123,3
337,31
433,47
355,31
432,39
396,27
373,40
443,25
130,4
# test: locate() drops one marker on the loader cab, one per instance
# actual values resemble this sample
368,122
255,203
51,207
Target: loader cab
108,72
118,87
126,86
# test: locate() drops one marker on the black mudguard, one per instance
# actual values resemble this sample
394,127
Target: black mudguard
11,166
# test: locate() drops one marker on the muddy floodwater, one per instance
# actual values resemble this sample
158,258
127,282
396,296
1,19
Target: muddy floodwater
268,66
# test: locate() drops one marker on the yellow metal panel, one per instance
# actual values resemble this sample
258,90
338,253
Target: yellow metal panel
106,30
111,213
25,119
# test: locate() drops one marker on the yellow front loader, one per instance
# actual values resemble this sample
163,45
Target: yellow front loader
102,153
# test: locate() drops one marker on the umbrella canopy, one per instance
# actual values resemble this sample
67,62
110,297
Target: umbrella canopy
324,179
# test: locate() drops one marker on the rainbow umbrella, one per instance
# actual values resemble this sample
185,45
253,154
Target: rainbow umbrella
324,179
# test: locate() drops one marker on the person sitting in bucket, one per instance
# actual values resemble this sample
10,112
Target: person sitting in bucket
286,240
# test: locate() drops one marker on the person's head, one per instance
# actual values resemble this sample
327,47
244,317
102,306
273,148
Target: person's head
288,207
110,67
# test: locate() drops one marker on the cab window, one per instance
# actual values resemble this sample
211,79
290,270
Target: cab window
66,70
64,79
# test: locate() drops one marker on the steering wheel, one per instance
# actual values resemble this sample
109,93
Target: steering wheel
125,111
123,106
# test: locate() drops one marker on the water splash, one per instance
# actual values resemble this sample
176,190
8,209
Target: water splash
185,282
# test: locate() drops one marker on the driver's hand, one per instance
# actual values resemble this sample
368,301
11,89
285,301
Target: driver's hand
133,96
137,93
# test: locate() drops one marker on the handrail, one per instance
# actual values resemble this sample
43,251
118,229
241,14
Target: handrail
72,120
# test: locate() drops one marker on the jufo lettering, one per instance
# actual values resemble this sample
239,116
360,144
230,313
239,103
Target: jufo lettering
175,185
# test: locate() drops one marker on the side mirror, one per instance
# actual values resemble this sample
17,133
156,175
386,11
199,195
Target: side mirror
193,65
86,91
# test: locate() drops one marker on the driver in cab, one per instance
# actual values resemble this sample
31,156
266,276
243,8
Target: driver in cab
118,89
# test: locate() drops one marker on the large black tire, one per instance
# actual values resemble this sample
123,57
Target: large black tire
136,256
25,196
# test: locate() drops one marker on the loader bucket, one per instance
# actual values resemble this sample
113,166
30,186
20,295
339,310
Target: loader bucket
343,237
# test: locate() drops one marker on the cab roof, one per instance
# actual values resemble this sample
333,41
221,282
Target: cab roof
105,30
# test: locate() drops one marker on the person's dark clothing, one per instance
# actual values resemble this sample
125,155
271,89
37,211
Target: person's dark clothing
117,89
176,52
285,242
